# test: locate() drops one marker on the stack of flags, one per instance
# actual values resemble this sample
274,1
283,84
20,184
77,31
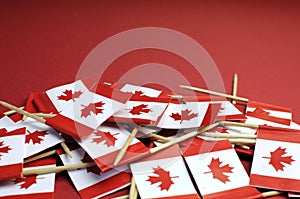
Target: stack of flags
150,143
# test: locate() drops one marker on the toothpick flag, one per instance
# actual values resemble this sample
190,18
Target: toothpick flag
276,160
104,144
263,113
189,115
145,105
91,182
217,170
139,91
31,187
79,111
163,175
12,143
38,136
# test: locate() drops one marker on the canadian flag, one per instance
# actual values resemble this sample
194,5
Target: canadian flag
276,160
139,91
145,105
12,143
79,111
229,112
267,114
31,187
188,115
104,145
91,182
140,112
163,175
38,136
217,170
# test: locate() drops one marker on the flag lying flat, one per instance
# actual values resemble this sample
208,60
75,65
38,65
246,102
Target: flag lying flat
276,160
79,111
145,105
104,144
90,182
217,170
30,187
12,143
163,175
188,115
38,136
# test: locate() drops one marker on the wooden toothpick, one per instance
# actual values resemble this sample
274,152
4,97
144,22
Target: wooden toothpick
229,123
235,85
271,193
66,149
133,191
10,112
267,194
233,140
126,145
225,135
215,93
21,111
183,138
122,197
159,137
57,169
40,156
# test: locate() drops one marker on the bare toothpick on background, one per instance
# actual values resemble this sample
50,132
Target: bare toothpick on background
215,93
235,85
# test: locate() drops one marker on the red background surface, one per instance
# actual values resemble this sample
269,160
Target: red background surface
43,43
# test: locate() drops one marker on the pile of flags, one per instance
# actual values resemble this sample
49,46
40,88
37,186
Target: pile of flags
128,141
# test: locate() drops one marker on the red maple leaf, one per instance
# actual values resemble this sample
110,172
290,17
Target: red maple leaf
4,149
218,171
93,169
277,158
69,95
92,107
138,93
137,110
25,182
185,115
163,176
36,137
107,137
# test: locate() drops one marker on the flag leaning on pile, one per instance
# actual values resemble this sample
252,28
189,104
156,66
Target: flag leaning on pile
163,175
276,160
31,187
104,144
78,110
259,113
12,145
191,114
39,136
91,182
145,105
217,170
